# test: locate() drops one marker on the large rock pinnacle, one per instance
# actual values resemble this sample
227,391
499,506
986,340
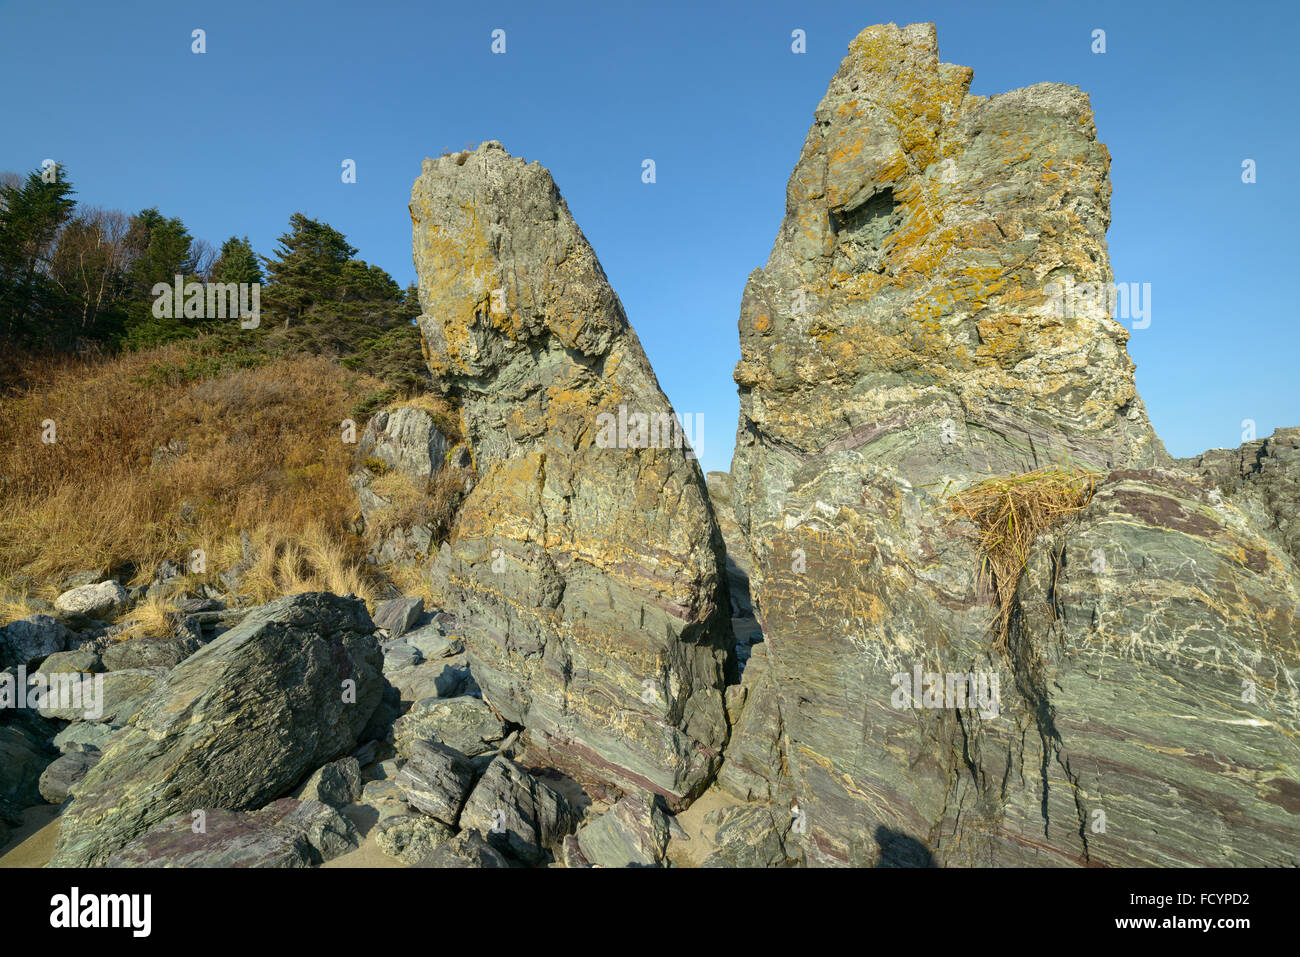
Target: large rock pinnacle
925,322
587,570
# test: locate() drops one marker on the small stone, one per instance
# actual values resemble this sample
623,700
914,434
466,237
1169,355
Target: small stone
518,814
467,849
411,838
632,833
397,616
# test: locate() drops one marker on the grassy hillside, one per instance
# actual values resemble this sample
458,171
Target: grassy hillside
161,452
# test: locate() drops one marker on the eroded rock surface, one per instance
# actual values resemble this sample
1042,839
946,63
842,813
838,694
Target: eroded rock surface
921,326
590,579
233,726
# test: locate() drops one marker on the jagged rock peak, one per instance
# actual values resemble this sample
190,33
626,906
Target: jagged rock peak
589,573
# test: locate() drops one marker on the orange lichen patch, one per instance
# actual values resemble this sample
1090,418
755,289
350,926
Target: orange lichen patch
762,323
457,255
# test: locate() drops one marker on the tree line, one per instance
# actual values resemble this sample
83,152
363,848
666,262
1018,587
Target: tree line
76,278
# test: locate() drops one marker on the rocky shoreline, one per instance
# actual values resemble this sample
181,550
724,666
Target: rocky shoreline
632,664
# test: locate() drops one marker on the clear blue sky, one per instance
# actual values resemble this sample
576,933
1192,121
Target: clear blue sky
237,139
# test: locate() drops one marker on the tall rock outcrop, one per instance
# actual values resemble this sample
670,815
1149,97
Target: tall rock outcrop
929,318
585,565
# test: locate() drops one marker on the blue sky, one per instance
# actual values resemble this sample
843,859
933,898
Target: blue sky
237,139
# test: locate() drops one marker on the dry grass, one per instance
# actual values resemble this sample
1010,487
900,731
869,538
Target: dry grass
256,450
1009,513
412,581
150,618
434,504
446,415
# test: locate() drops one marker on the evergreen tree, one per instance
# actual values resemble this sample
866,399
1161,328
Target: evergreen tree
160,249
237,262
307,269
30,218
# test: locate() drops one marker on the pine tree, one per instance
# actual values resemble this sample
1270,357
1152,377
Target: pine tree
237,262
307,269
30,218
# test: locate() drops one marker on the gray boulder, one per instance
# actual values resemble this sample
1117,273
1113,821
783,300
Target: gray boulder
516,813
632,833
431,643
467,849
64,773
397,616
436,780
411,838
103,600
85,660
28,639
466,724
749,835
287,833
235,725
446,678
336,784
150,652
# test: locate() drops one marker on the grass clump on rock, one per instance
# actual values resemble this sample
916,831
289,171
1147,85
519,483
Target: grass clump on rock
1009,513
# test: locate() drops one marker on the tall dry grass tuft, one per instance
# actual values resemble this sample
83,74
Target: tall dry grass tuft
1009,513
148,466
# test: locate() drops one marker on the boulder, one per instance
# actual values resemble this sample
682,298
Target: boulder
85,660
632,833
467,849
436,780
286,833
749,835
336,784
104,600
431,643
466,724
433,679
151,652
30,639
586,567
397,616
234,725
65,772
516,813
411,838
399,654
